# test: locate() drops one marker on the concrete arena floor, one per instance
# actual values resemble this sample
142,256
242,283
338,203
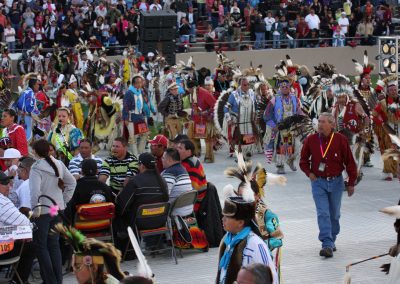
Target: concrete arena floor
364,232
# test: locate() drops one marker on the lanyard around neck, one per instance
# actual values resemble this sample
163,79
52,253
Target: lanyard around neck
323,153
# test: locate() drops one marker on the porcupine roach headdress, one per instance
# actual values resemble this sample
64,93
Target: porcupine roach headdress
90,251
365,68
254,180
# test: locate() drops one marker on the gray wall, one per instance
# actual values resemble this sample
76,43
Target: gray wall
341,57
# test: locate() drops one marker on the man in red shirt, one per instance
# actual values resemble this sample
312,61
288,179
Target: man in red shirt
302,32
202,125
323,158
157,147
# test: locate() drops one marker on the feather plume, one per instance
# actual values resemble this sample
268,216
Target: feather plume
395,139
248,193
228,191
358,67
393,211
365,58
273,179
289,60
261,178
144,269
391,153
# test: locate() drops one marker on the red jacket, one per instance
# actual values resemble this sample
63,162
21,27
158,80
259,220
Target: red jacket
338,157
205,103
18,138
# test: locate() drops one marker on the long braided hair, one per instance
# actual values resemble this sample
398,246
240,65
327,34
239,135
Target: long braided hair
42,149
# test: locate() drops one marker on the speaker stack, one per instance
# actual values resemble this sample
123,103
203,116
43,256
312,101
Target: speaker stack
389,56
158,34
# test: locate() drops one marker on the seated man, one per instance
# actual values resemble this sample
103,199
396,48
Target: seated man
88,189
145,188
194,168
85,152
11,216
23,192
120,166
177,179
157,147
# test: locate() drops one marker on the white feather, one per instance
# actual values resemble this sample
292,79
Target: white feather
393,211
395,139
228,191
144,269
365,58
273,179
248,193
101,79
359,68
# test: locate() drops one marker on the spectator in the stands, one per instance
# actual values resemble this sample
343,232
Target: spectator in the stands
181,9
344,23
209,39
236,17
184,30
302,32
312,20
276,31
214,14
269,21
259,29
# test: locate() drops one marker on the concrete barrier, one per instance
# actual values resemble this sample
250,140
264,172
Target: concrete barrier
341,57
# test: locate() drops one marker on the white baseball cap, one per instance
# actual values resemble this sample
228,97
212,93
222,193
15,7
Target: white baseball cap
11,153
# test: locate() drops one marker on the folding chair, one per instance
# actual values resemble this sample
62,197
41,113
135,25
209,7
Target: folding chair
152,220
12,262
186,199
95,220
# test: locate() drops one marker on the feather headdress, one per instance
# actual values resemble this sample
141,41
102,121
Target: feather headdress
255,179
341,85
365,68
91,251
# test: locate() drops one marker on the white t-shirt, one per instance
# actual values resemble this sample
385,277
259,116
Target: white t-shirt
24,195
344,24
312,21
268,23
9,35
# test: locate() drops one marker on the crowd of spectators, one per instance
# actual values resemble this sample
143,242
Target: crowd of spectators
295,23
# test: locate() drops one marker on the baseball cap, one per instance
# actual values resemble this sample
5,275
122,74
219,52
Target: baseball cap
159,140
11,153
147,160
5,179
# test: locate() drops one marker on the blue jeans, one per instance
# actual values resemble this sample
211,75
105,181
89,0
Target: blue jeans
328,199
277,41
47,248
260,41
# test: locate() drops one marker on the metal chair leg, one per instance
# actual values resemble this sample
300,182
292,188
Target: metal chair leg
172,241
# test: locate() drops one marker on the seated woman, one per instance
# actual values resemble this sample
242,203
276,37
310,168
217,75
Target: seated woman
64,135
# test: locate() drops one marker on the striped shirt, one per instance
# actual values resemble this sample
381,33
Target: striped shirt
118,170
10,215
178,182
75,165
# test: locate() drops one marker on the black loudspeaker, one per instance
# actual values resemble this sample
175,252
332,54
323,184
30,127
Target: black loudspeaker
152,34
158,19
158,33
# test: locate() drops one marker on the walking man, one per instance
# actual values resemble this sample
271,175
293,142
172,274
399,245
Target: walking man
323,158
